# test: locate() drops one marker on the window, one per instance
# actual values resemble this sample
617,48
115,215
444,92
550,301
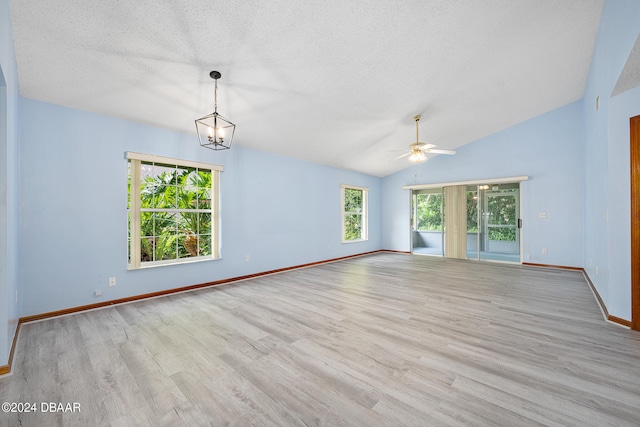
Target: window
173,211
354,213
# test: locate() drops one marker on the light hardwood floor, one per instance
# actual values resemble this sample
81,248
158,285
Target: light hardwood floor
380,340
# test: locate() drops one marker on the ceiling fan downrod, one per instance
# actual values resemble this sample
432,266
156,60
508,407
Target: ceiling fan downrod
417,119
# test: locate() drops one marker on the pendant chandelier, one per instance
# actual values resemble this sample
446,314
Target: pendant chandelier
214,131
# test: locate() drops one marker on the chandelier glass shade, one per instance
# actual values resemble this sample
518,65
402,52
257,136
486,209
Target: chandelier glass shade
214,131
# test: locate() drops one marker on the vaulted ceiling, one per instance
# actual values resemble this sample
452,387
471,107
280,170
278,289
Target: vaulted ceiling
334,82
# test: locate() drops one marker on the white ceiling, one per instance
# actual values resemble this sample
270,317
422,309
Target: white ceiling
330,81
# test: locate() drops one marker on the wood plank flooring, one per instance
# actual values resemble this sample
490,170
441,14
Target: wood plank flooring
381,340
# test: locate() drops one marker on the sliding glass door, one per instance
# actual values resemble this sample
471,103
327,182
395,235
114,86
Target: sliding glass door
493,215
501,222
468,220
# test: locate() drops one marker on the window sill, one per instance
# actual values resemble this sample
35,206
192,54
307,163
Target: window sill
148,265
355,241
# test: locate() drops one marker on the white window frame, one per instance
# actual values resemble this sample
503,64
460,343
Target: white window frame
364,213
136,160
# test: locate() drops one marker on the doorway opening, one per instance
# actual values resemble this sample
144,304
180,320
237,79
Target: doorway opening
635,221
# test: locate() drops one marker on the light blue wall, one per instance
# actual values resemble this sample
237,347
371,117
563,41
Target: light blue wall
548,148
621,108
9,199
607,206
280,211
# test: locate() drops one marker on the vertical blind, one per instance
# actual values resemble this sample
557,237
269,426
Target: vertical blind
455,221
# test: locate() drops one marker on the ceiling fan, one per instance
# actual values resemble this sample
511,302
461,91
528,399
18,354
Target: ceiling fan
417,151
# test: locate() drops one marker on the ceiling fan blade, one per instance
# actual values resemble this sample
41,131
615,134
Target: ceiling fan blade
440,151
426,147
402,155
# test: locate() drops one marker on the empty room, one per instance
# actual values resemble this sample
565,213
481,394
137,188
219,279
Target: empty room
369,213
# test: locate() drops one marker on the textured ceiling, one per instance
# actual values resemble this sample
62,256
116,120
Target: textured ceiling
331,81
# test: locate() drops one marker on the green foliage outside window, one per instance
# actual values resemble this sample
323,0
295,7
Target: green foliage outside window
502,211
353,211
175,212
472,212
429,208
503,234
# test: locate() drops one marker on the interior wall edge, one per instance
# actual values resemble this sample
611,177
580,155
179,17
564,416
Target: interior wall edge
603,308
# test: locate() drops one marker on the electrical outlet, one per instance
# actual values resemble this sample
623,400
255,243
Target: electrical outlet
542,215
112,281
544,250
98,293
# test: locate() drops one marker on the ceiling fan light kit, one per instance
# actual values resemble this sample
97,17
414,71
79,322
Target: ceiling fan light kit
418,150
214,131
417,155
